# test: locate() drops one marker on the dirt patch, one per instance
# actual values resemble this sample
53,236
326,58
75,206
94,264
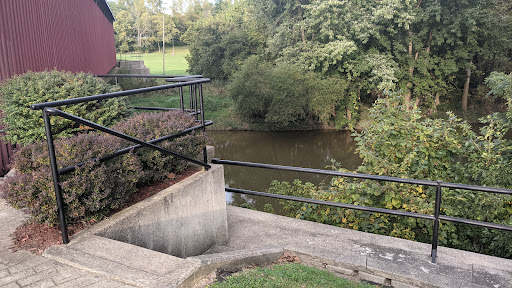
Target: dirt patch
35,238
287,258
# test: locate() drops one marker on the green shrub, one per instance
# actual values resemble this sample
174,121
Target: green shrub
278,95
94,189
148,126
400,143
89,192
284,95
25,126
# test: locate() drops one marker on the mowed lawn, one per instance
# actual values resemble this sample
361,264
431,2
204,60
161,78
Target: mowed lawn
174,64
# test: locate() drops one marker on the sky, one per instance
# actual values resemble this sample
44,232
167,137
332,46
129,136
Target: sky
167,4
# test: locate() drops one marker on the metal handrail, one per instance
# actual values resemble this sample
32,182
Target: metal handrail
126,150
58,103
437,209
132,55
49,109
146,76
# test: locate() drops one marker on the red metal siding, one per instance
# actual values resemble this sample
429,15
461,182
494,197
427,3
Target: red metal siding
38,35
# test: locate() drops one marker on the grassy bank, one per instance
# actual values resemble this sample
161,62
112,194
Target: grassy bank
174,64
218,106
287,275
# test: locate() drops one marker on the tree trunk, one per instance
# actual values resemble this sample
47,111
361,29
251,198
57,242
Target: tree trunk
408,96
411,71
349,114
418,101
465,93
437,101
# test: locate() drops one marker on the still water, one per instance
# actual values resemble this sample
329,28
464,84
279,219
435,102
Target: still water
311,149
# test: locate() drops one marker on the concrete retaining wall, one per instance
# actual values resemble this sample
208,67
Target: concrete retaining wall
183,220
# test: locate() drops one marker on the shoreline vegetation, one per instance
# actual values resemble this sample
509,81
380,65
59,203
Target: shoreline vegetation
221,108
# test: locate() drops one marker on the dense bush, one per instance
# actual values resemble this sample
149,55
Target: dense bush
284,94
148,126
400,143
25,126
89,192
96,188
278,95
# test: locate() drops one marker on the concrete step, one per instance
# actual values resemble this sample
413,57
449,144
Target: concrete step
131,64
124,262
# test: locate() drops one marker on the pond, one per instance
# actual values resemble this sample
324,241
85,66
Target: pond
311,149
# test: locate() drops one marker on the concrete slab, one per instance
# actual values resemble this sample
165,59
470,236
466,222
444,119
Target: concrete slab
407,263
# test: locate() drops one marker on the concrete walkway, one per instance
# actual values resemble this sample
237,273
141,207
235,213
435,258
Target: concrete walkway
22,269
364,256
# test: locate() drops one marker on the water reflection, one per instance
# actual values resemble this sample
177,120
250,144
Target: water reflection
312,149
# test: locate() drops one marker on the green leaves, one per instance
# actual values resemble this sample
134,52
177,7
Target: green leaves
399,142
25,126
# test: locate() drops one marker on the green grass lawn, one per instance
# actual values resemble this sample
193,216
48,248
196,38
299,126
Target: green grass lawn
287,275
218,106
174,64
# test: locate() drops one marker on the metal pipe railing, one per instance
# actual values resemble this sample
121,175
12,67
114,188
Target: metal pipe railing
53,111
49,109
437,205
69,169
58,103
147,76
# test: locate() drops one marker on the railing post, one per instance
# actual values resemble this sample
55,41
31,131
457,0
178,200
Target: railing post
196,108
191,88
55,176
201,102
437,211
182,104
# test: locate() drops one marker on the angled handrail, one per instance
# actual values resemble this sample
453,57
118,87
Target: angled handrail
126,150
58,103
142,143
48,109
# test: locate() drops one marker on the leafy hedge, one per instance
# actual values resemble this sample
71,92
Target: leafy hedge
400,143
97,188
285,95
147,126
89,192
25,126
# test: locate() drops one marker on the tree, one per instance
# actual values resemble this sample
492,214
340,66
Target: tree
138,24
221,42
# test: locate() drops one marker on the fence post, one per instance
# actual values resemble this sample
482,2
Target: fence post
55,176
437,211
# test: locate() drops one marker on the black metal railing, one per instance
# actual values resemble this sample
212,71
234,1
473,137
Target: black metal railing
48,109
130,56
437,206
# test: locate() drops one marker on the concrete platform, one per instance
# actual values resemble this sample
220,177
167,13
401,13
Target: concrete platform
256,238
381,259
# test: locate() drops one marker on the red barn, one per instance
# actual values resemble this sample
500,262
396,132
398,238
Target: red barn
38,35
71,35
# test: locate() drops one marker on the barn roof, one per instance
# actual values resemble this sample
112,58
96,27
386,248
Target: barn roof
105,9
